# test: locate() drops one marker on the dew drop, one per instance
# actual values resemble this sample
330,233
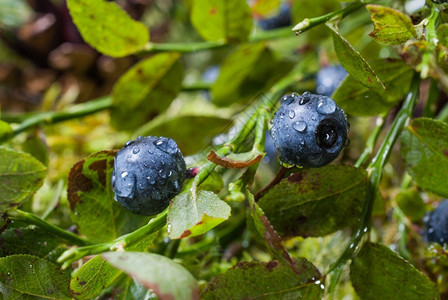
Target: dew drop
129,155
162,173
299,126
150,151
326,106
112,181
156,195
170,173
128,143
272,121
305,98
288,166
136,150
124,174
291,114
287,99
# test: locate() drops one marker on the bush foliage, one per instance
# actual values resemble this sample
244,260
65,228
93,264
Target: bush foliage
81,77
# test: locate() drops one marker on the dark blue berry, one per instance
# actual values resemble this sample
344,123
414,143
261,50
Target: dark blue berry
328,79
437,224
148,173
309,130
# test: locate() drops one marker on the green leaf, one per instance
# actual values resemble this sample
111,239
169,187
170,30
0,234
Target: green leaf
425,150
214,183
27,240
14,13
97,274
379,273
37,147
412,204
356,99
353,62
146,89
184,130
21,175
246,71
222,20
26,277
316,202
107,28
95,212
391,27
266,280
192,214
166,278
442,34
5,130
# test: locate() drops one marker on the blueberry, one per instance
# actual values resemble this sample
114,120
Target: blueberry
148,173
282,19
328,79
309,130
437,224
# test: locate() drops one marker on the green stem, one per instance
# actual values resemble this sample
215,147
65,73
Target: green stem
201,46
182,47
370,143
375,169
307,24
124,241
28,218
53,117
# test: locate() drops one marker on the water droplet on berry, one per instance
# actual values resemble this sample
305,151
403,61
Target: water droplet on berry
170,173
272,121
287,99
124,175
162,173
128,143
305,98
136,150
291,114
326,106
156,195
299,126
150,151
112,181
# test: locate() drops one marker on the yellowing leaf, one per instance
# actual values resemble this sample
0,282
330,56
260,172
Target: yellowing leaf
392,27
